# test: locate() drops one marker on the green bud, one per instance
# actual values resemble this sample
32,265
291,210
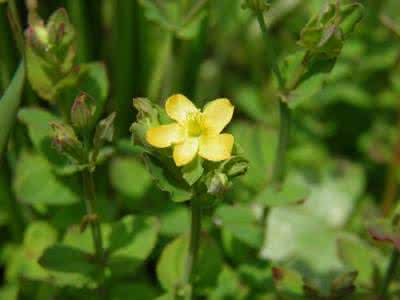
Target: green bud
146,110
37,39
61,31
323,35
66,142
234,167
217,184
147,117
256,5
104,131
82,111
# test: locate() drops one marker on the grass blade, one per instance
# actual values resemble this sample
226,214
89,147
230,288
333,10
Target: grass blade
9,104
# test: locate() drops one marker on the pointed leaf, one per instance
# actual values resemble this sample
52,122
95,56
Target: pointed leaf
9,104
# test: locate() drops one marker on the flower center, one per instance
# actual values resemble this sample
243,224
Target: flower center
194,124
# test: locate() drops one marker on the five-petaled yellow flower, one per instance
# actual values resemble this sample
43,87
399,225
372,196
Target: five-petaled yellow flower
194,132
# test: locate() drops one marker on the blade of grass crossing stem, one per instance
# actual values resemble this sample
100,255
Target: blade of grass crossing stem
7,51
126,63
194,58
9,104
15,23
159,70
78,13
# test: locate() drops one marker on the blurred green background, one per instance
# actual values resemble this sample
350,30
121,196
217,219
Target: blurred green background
343,153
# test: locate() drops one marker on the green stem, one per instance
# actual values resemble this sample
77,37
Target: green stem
284,136
16,26
160,68
193,60
194,244
284,112
271,55
390,272
78,13
90,200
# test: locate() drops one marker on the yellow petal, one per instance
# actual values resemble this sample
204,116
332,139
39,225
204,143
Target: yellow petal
216,148
184,153
217,114
178,107
165,135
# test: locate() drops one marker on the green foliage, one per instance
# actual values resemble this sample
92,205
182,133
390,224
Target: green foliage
9,104
171,264
325,231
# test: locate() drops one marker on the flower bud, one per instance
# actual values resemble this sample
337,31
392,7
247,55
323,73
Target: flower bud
82,111
218,184
61,32
104,131
236,166
66,142
37,38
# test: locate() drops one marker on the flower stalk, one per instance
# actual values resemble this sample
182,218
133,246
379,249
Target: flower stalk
90,200
390,272
194,244
284,136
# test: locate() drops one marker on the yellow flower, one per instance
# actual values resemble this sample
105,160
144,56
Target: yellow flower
194,132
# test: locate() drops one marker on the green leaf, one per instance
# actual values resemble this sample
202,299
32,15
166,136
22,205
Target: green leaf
155,13
41,134
305,76
259,146
23,262
361,257
168,182
193,171
142,291
333,199
351,14
228,286
288,283
9,104
67,259
9,291
292,233
170,267
130,241
175,221
35,184
172,16
258,277
248,100
291,192
242,223
69,266
129,177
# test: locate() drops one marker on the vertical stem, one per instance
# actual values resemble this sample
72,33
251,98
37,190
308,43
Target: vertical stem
284,135
271,55
158,74
7,52
284,112
390,272
194,244
193,60
16,26
90,200
78,13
